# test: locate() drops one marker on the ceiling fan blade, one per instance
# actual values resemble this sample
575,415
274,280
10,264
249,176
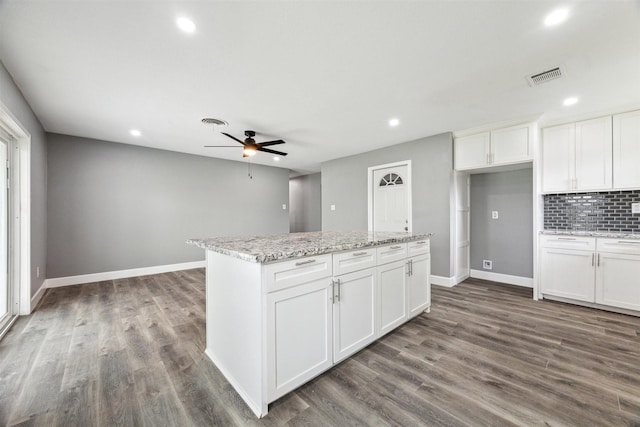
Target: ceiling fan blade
233,137
222,146
268,143
266,150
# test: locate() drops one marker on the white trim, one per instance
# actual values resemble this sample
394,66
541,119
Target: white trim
449,282
503,278
21,211
370,171
121,274
35,299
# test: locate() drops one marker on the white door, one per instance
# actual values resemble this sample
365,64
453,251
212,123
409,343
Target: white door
391,193
5,291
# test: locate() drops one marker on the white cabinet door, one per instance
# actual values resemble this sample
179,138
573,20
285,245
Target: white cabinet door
299,326
618,280
419,285
568,273
626,150
354,313
593,154
510,145
392,292
472,151
558,161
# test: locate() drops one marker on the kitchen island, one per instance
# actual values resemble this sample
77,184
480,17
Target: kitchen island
281,309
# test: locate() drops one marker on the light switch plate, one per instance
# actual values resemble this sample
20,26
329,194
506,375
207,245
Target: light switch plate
333,207
635,208
494,214
284,207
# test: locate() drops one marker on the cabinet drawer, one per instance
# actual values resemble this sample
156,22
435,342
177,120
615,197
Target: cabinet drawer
347,262
619,246
419,247
569,242
282,275
391,253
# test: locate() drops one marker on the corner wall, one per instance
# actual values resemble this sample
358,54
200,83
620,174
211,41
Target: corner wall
117,207
344,184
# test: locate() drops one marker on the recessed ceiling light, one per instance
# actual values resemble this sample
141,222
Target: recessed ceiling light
276,158
135,132
570,101
186,24
394,122
556,17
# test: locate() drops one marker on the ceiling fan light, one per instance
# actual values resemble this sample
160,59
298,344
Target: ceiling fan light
249,152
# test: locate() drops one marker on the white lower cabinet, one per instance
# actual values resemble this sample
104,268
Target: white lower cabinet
314,322
604,271
419,285
300,346
392,288
354,312
568,273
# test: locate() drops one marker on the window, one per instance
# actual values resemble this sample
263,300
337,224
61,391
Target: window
390,179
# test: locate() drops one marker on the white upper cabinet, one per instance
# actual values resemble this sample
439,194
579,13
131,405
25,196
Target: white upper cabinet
577,156
472,151
510,145
626,150
496,148
558,165
593,154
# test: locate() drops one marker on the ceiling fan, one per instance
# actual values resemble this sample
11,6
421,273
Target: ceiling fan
250,146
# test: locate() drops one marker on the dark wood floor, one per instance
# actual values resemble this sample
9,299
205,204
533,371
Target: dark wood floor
130,352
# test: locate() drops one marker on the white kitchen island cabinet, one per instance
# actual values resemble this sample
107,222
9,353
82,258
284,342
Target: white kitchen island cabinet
282,309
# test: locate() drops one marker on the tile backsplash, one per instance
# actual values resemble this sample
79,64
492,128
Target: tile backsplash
602,211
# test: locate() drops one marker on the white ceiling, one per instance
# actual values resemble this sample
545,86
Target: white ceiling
324,76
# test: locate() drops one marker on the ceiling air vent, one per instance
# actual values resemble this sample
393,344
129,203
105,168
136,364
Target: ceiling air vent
545,76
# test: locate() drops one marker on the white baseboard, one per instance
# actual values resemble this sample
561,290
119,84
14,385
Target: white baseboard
35,299
443,281
120,274
503,278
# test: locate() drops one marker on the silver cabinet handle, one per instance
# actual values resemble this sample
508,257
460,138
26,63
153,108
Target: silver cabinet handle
396,247
593,257
338,287
411,267
424,242
622,242
309,261
408,268
598,260
566,238
359,253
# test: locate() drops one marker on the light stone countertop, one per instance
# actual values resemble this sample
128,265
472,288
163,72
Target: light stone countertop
278,247
606,234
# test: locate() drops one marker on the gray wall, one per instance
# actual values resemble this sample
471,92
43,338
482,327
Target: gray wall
344,184
115,206
304,203
13,99
508,240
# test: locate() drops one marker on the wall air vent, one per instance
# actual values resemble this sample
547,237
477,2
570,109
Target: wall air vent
545,76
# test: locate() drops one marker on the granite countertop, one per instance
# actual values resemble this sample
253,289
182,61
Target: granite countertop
277,247
609,234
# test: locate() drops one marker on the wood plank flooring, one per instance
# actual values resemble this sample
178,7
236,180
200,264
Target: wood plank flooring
130,352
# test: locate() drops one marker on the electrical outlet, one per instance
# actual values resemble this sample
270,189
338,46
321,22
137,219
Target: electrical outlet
333,207
38,272
284,207
487,264
494,214
635,208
